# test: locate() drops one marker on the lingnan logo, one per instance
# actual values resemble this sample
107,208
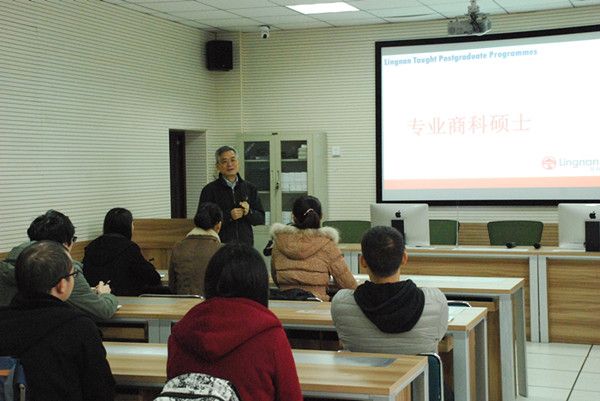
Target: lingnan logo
549,163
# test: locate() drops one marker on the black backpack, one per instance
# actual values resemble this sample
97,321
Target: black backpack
12,380
292,294
198,386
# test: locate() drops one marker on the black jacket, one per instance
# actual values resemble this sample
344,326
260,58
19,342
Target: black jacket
220,193
60,349
114,257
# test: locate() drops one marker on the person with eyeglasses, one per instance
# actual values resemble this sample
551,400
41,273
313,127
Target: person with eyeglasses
237,198
59,346
97,302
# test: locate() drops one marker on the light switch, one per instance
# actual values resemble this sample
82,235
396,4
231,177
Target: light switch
336,151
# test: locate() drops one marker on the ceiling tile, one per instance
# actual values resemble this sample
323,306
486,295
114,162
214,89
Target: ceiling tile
196,24
230,22
142,2
535,5
451,11
347,15
358,21
263,11
296,2
402,12
230,4
585,3
305,25
219,14
178,6
368,5
250,13
279,19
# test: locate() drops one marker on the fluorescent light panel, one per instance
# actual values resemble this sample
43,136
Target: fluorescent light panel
322,8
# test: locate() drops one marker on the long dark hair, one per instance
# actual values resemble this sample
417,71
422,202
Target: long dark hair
307,211
237,271
118,221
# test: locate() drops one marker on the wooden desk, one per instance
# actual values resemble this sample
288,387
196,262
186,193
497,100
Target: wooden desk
467,327
568,295
322,374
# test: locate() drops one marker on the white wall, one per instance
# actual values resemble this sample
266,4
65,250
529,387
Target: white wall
323,80
88,92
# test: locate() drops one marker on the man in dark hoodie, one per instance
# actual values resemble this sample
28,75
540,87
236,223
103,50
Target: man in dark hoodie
60,347
97,302
387,315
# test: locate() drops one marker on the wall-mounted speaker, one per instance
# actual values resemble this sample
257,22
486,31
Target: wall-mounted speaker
219,55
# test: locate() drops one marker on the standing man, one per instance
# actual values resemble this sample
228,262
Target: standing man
238,199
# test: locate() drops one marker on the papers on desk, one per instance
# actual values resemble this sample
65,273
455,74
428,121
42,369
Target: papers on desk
324,312
317,358
293,304
134,349
454,311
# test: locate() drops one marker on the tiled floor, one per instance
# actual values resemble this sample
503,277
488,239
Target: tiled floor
563,372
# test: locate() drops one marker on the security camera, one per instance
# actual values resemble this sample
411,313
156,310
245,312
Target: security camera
265,31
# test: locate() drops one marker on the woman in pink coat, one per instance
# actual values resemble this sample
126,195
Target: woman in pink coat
305,254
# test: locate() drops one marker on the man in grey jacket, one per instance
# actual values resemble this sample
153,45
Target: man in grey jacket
96,302
386,315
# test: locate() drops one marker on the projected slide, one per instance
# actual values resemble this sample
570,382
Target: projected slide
491,120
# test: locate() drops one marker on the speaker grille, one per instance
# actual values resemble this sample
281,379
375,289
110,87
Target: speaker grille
219,55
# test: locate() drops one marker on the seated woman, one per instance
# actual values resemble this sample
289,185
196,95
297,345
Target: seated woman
232,335
116,258
305,254
191,255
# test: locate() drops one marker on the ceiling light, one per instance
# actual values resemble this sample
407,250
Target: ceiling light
323,8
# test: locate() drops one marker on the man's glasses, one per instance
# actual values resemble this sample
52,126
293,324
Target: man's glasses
73,239
74,274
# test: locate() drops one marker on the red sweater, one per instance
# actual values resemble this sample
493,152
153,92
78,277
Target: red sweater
239,340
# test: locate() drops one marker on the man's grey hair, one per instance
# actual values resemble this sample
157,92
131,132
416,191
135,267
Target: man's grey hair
222,150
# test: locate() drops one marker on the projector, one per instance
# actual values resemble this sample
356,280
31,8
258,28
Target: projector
473,23
477,25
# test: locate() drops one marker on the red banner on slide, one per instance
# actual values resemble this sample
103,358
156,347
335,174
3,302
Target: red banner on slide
483,183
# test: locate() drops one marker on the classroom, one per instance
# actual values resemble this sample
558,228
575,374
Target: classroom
92,89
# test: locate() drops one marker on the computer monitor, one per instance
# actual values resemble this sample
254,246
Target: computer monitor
571,223
412,219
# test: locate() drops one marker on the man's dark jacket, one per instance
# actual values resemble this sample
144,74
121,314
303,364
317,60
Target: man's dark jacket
60,349
220,193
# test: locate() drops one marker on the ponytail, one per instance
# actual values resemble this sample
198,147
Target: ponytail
307,212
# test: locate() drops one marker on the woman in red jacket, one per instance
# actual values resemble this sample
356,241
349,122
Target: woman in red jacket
233,335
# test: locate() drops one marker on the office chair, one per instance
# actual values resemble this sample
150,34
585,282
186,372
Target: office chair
515,232
443,232
351,231
456,302
12,379
436,376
